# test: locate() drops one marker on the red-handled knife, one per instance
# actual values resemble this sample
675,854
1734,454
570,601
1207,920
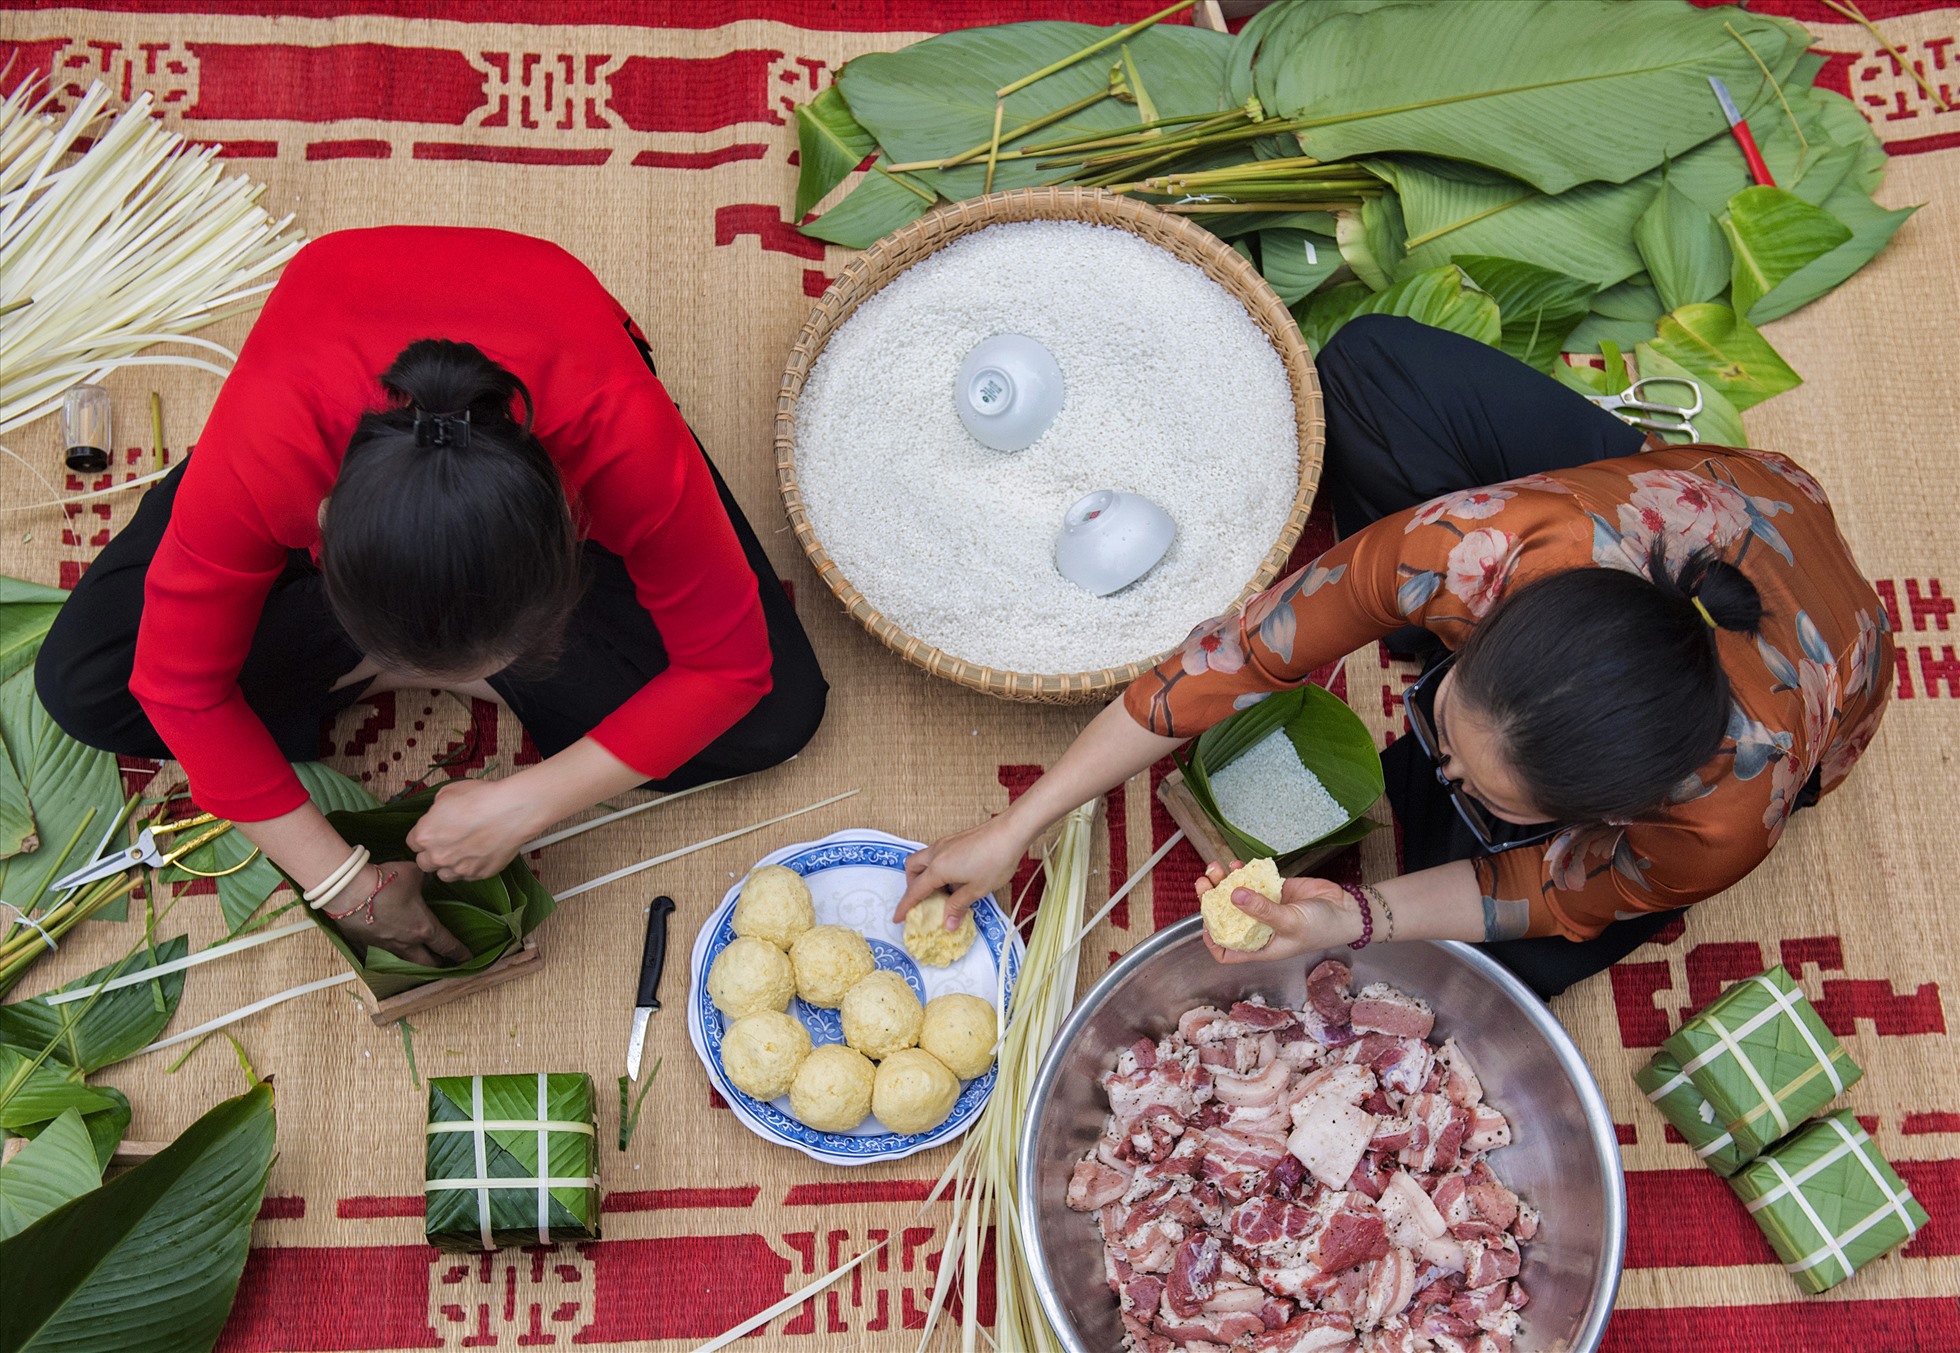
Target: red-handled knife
1757,169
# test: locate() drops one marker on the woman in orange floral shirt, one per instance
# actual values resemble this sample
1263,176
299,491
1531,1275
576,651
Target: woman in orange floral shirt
1642,660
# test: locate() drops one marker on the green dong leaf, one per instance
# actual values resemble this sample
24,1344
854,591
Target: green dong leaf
91,1034
1554,92
935,99
1683,248
1723,350
1295,262
880,204
56,1166
829,145
1441,297
1537,307
150,1261
76,792
27,610
1872,226
1773,233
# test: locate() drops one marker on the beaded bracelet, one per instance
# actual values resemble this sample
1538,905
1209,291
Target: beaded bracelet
1367,899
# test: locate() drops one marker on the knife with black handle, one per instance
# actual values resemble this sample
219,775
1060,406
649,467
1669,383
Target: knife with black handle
653,957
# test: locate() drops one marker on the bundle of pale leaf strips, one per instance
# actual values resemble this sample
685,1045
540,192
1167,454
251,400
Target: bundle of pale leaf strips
1546,176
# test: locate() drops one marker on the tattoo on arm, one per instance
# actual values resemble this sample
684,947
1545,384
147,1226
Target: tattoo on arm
1505,918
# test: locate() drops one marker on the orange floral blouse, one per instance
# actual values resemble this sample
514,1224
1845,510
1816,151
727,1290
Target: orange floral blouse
1809,690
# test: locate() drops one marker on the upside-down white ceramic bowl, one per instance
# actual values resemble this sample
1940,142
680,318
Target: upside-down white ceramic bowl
1564,1158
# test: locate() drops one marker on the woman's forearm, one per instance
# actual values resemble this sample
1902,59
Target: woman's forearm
302,843
1447,903
1105,754
572,781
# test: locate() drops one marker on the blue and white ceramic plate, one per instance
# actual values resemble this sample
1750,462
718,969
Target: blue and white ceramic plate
855,878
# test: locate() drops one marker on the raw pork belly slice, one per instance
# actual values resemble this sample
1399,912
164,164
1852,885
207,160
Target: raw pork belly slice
1306,1181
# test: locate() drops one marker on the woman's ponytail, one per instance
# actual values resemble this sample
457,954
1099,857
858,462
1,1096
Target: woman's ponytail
447,545
1720,593
437,378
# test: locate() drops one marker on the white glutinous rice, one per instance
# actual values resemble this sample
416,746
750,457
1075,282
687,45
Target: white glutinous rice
1172,391
1268,794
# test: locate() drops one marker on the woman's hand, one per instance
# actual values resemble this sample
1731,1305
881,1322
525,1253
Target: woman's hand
969,864
474,828
1311,914
402,922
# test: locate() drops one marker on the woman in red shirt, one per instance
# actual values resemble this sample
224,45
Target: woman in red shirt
1642,660
443,459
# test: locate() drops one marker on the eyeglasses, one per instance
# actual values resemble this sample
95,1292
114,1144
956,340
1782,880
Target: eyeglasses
1493,833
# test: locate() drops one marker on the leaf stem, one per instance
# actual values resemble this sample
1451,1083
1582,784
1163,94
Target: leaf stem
993,150
1795,126
1119,35
1849,9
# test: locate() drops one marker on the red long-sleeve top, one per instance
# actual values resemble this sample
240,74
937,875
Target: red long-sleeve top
347,304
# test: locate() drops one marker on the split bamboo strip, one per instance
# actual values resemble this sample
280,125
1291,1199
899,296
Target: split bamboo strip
225,950
987,1196
631,869
245,1012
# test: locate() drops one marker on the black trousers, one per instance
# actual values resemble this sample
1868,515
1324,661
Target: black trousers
299,650
1414,412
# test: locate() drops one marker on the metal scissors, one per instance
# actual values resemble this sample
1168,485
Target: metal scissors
1642,410
143,853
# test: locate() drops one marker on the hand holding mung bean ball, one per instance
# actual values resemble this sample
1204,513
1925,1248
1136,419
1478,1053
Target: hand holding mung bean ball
927,938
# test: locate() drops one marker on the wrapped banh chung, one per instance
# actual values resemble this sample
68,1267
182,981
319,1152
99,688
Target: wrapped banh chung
1827,1201
512,1160
1762,1058
1670,1091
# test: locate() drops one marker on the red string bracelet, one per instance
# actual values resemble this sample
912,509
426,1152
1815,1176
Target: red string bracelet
382,881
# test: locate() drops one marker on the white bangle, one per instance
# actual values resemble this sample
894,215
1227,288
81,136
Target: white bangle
323,892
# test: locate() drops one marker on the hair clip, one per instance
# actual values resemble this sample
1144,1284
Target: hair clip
443,429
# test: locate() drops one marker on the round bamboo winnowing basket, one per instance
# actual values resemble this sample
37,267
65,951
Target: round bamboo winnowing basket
900,250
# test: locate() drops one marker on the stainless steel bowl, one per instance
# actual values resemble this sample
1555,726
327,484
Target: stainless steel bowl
1565,1157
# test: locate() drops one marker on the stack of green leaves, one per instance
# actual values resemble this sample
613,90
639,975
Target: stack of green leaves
47,1052
148,1262
1331,742
512,1160
1828,1202
1763,1059
489,916
1551,175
